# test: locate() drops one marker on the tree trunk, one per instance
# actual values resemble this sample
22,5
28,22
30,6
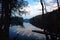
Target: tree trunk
58,4
41,1
7,5
5,19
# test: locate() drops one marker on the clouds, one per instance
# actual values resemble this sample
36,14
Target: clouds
51,5
36,9
49,1
33,10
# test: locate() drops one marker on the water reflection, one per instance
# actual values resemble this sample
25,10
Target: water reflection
25,33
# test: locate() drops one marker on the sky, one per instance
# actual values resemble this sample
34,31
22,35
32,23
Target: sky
34,7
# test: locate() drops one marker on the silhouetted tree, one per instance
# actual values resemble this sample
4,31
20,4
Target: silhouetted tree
45,7
58,3
52,24
19,6
7,6
41,1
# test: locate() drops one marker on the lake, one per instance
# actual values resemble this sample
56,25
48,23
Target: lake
25,33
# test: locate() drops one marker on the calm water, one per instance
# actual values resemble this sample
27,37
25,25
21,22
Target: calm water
25,32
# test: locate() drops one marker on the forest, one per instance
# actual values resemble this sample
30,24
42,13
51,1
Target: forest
49,22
